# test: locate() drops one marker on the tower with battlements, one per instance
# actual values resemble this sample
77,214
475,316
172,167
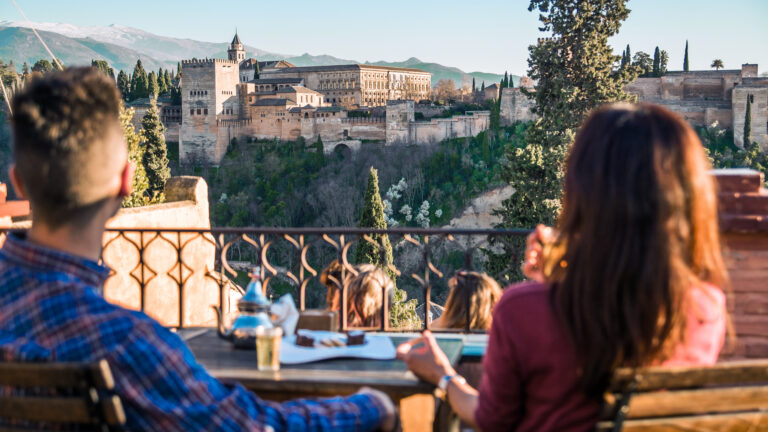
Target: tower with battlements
208,104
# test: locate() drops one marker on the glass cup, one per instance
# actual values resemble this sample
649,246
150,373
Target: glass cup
268,348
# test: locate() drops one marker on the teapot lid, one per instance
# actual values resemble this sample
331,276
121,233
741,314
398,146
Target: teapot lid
254,298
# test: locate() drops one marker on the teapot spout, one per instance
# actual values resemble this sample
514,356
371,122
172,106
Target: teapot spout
222,332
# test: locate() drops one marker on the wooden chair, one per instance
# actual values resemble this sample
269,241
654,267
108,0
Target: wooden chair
59,394
730,396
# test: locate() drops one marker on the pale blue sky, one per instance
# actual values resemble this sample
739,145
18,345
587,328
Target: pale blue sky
480,35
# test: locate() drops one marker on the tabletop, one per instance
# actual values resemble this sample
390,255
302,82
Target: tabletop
323,378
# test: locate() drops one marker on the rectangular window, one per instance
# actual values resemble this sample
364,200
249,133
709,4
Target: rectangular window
198,111
192,112
205,111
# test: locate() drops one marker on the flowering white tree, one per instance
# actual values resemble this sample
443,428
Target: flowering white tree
396,195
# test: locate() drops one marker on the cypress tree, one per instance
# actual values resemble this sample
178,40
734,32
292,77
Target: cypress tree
135,155
123,84
168,82
628,56
402,311
152,86
574,74
657,63
506,80
155,158
474,88
663,61
25,68
178,70
320,151
139,82
685,59
161,87
482,87
748,122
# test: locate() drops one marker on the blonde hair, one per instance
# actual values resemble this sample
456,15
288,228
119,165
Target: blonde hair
471,293
364,296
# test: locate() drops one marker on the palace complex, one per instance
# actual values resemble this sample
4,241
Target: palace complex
244,98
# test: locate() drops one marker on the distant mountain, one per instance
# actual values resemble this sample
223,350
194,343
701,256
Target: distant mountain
121,46
21,45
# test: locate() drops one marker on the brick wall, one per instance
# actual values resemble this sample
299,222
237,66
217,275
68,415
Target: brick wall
744,224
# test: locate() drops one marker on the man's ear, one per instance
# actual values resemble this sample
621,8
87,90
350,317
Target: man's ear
18,187
126,180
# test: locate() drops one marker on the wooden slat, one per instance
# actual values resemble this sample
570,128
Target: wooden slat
665,377
101,376
112,409
704,401
49,375
736,422
45,409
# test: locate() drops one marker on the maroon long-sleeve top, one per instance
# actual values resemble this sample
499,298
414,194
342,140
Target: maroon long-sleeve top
530,380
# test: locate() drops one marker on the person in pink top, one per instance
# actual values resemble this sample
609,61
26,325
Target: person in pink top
633,276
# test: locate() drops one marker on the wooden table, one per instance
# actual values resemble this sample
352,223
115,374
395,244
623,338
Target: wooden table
324,378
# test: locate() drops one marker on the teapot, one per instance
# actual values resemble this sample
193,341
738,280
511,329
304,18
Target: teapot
254,308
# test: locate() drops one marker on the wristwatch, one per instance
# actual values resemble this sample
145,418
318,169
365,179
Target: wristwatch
441,392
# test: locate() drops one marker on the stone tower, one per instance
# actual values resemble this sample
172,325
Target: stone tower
208,101
236,51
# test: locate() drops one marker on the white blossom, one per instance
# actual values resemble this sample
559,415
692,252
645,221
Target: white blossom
223,198
439,212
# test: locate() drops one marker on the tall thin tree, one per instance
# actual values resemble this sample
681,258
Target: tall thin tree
685,59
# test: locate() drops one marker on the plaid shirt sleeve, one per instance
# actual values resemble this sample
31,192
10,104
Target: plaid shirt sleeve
164,388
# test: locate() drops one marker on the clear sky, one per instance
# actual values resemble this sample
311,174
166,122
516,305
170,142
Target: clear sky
480,35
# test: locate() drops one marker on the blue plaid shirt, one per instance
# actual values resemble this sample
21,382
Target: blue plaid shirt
50,311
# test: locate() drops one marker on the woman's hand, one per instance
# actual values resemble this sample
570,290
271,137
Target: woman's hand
533,266
425,358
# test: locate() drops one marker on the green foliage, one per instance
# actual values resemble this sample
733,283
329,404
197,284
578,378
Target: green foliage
135,154
748,121
139,82
42,66
155,158
663,62
642,61
104,67
723,153
152,86
717,64
320,152
124,85
685,58
657,62
575,73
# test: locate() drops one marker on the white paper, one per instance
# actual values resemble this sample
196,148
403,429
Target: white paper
376,347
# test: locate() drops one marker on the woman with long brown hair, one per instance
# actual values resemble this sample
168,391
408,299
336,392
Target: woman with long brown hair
472,295
633,276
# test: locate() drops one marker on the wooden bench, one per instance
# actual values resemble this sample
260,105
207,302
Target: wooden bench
49,394
730,396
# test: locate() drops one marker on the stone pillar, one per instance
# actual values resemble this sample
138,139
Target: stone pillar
744,225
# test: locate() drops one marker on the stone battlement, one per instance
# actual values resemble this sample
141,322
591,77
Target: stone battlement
207,61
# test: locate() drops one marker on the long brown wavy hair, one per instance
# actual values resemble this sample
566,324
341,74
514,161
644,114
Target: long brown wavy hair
475,291
638,229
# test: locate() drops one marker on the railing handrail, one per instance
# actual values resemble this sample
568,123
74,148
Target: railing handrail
335,230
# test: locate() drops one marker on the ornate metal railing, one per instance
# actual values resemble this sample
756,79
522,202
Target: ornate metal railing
193,269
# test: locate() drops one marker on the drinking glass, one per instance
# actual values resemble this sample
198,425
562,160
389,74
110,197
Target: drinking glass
268,348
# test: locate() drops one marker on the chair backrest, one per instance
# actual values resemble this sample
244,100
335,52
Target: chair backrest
59,394
730,396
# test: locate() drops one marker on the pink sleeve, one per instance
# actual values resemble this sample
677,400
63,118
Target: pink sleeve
499,404
705,328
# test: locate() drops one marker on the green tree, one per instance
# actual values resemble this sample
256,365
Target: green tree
505,82
124,84
685,58
642,61
43,66
155,158
663,62
657,62
135,155
748,122
320,151
482,87
626,57
717,64
574,72
25,68
178,70
474,87
495,117
103,66
139,82
379,253
162,89
168,82
152,86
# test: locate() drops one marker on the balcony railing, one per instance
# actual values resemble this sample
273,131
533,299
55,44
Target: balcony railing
201,267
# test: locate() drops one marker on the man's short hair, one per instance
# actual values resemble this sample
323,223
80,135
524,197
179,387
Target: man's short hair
62,124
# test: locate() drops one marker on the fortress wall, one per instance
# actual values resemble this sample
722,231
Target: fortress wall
515,106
